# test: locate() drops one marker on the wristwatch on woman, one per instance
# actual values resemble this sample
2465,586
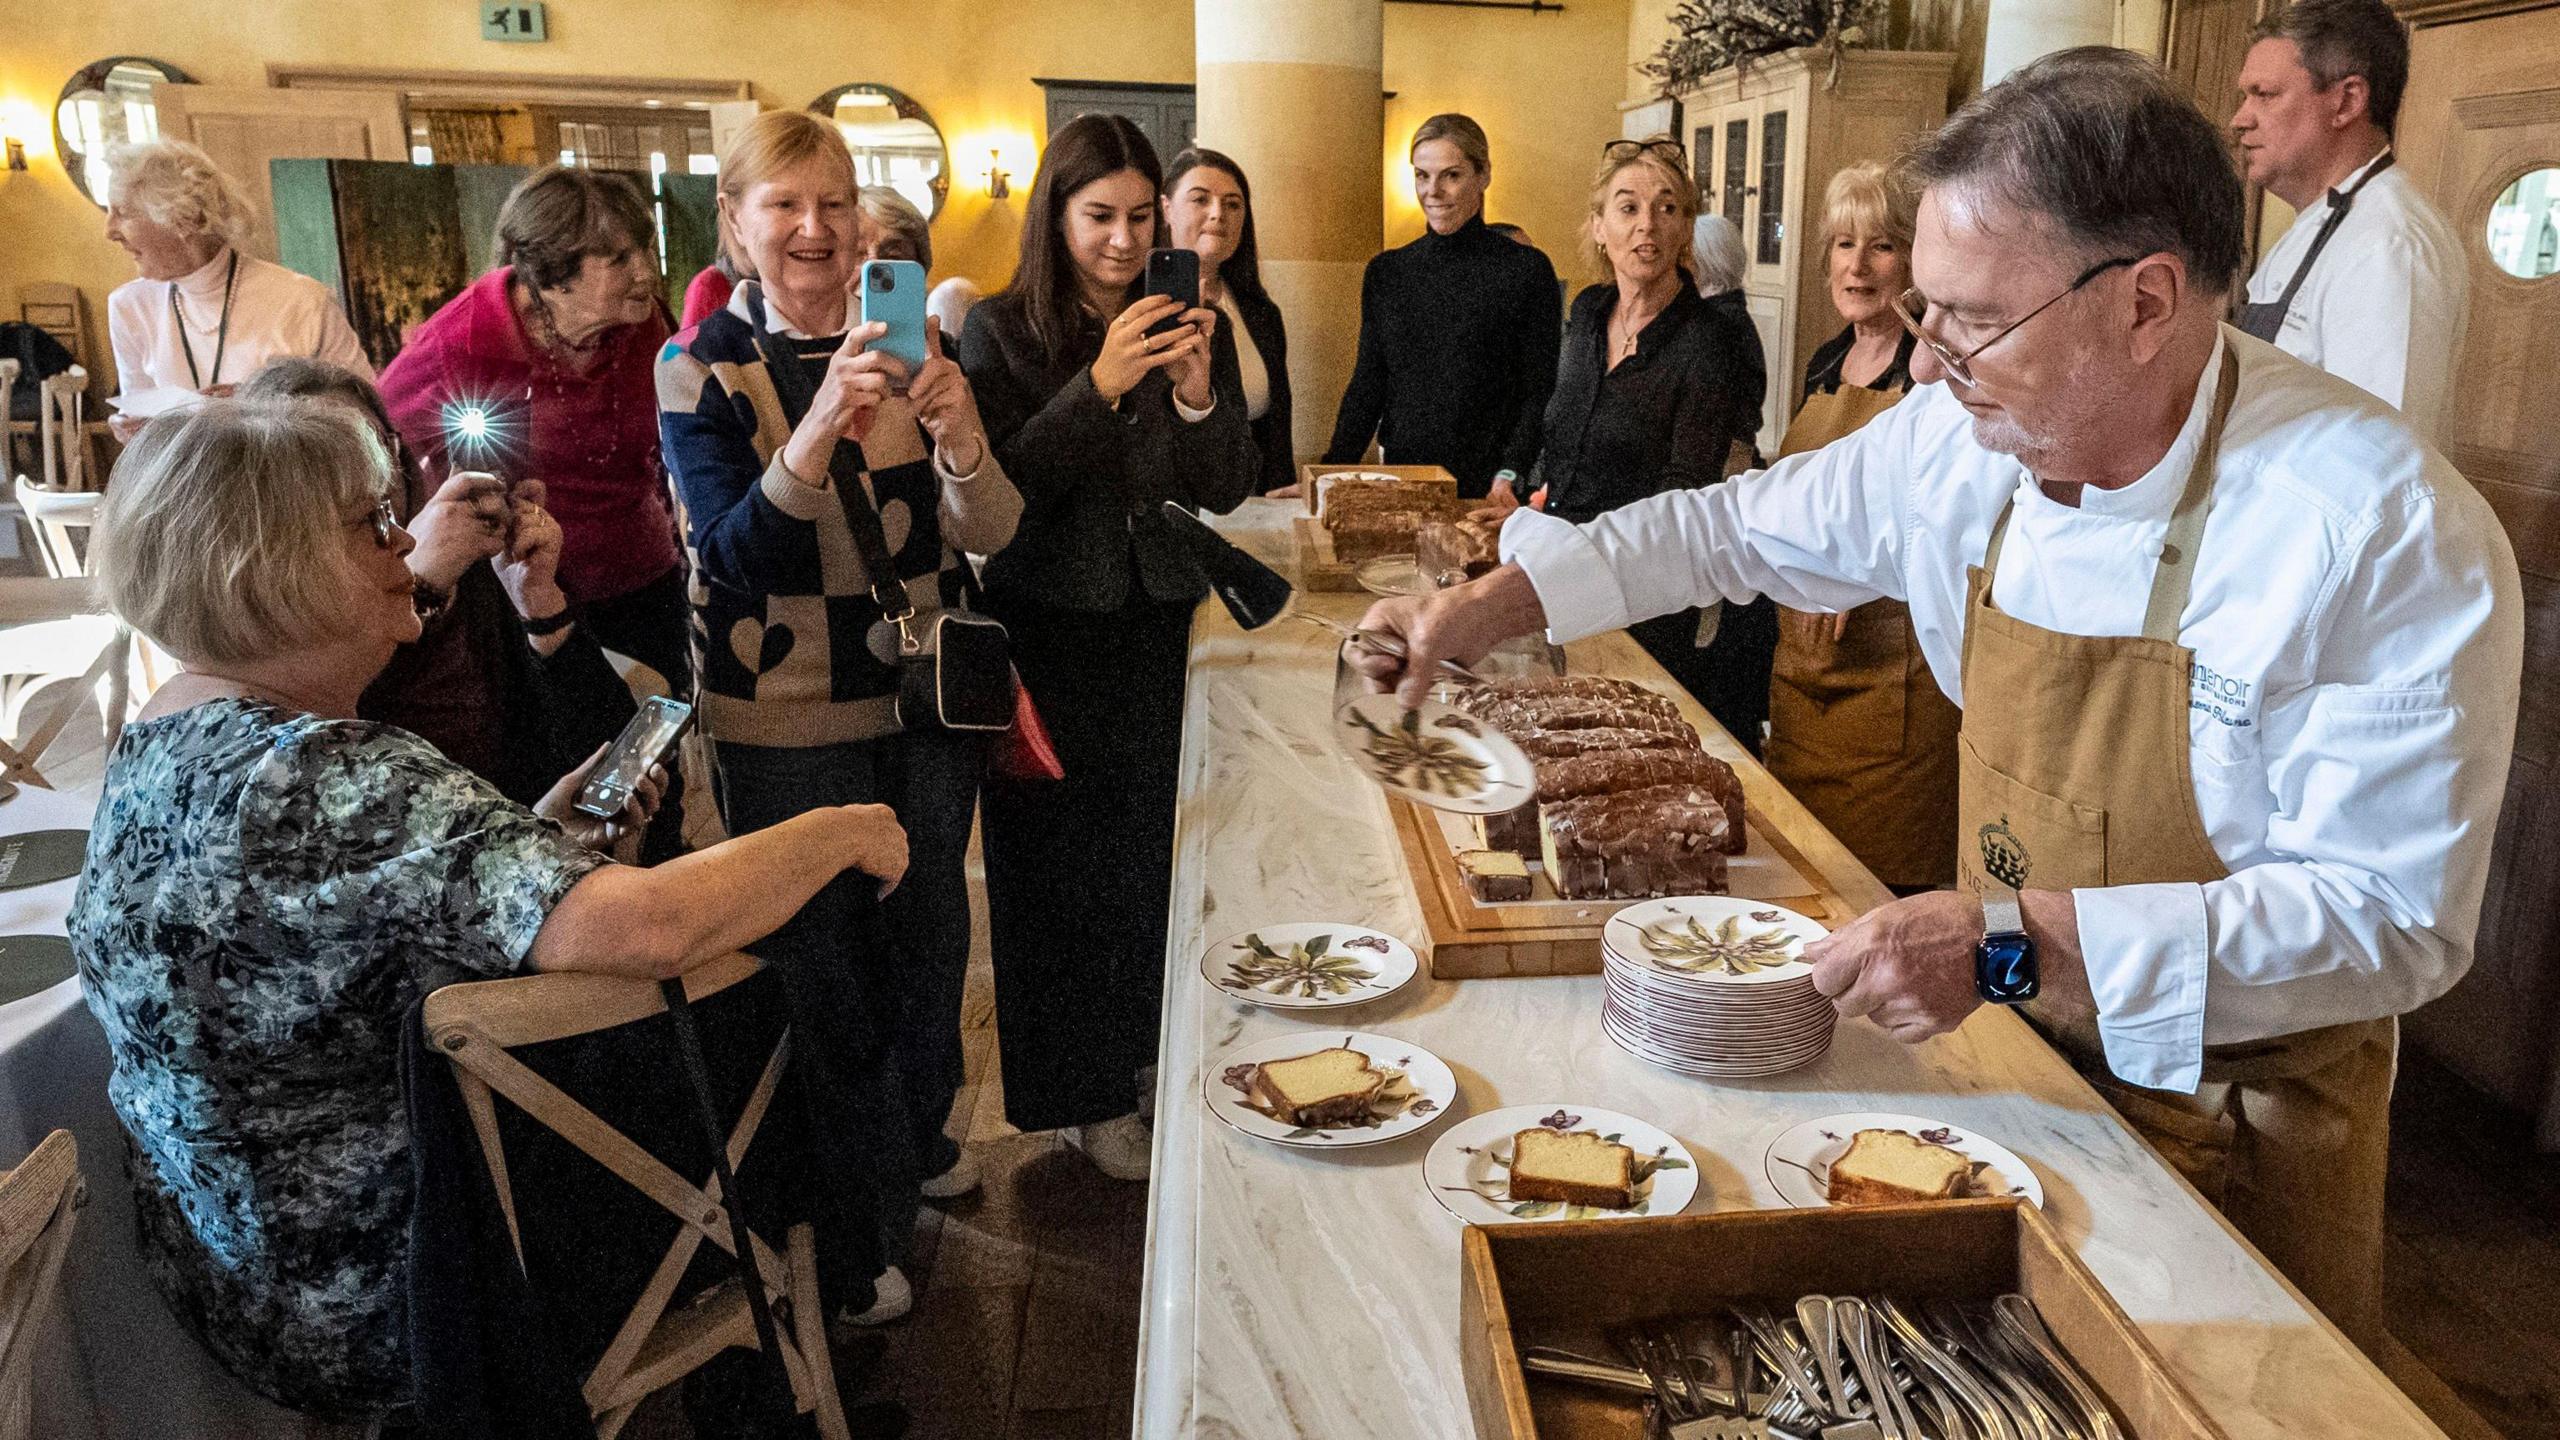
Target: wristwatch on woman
2004,961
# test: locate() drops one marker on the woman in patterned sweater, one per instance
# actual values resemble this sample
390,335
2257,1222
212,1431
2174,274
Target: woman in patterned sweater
795,660
272,882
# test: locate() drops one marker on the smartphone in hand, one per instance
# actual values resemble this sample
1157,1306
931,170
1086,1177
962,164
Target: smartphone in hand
648,740
893,294
1175,273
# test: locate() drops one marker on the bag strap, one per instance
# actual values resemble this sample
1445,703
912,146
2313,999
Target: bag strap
697,1075
798,390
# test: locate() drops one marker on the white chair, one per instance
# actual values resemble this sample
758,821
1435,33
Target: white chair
60,658
62,431
36,1204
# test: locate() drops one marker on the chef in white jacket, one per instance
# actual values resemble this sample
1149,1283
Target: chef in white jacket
2368,283
2238,653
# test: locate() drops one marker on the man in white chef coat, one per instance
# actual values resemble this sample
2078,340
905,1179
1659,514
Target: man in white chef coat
2368,283
2238,654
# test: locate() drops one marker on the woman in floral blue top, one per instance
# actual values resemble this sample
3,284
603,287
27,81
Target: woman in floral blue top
272,882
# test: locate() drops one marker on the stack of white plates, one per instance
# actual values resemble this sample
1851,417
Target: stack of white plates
1713,985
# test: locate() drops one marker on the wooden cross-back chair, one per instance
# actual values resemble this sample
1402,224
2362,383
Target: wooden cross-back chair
475,1025
36,1204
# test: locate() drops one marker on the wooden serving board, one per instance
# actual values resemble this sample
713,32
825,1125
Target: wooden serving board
1317,567
1473,941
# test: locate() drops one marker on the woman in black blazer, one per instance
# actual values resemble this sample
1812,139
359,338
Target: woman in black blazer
1098,424
1209,208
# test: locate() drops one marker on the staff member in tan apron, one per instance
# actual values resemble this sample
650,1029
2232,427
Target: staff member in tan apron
1858,728
2239,656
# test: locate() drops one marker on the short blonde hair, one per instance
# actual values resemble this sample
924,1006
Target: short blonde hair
175,184
1684,194
1868,199
223,534
892,211
774,142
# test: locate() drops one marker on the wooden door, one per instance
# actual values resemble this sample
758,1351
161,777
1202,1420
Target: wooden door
2482,109
243,128
2207,43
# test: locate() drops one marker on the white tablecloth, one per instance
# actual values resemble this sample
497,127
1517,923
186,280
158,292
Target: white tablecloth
117,1365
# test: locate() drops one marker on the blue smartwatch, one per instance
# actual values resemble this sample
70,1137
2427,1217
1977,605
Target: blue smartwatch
2004,961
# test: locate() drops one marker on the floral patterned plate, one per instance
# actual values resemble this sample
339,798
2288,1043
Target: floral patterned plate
1419,1089
1309,965
1713,938
1799,1162
1437,756
1469,1169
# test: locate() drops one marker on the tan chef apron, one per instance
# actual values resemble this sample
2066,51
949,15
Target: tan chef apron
1858,728
2075,775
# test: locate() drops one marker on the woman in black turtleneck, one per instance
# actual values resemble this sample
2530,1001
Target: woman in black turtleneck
1458,330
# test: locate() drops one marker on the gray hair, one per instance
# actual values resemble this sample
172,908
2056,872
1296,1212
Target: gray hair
223,534
175,184
895,212
2104,146
1716,246
2339,38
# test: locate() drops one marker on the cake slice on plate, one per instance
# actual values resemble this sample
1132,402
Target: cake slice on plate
1576,1168
1329,1087
1885,1167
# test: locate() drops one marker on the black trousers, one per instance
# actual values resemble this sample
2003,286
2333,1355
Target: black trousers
1730,676
652,625
876,984
1080,870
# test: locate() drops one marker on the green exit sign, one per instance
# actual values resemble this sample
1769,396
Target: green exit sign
513,22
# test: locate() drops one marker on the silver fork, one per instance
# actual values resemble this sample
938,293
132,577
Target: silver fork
2017,1317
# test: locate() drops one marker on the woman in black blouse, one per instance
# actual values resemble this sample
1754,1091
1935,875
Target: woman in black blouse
1650,395
1098,423
1208,206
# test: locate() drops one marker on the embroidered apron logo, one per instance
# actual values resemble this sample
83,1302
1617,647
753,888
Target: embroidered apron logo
2226,698
2004,855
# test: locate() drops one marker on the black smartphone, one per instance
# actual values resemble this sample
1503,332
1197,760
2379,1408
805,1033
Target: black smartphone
648,740
1175,273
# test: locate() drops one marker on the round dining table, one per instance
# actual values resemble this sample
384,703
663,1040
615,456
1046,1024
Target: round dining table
114,1363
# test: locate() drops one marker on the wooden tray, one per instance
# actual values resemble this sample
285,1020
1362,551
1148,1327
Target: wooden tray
1469,941
1431,475
1312,550
1568,1282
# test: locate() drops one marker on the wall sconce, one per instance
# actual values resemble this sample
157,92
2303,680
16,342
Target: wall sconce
999,184
17,151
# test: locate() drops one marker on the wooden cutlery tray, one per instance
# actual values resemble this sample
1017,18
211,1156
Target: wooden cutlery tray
1567,1283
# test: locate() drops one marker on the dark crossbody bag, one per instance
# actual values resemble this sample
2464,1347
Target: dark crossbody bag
955,669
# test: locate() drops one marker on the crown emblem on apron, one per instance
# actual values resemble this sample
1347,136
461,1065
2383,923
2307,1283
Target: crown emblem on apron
2004,855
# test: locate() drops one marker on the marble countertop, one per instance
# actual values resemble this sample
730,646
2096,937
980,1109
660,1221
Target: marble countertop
1307,1293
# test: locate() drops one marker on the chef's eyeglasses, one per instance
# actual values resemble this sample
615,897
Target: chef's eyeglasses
1910,306
1619,152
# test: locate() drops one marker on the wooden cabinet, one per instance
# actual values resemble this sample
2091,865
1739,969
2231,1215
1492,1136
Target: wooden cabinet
1765,140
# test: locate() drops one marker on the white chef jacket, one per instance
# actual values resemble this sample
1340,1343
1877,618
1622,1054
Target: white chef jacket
2358,639
274,312
2387,304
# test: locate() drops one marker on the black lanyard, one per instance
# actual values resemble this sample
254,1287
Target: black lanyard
221,337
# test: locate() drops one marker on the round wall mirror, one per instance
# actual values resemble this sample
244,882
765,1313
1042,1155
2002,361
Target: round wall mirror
894,142
2524,225
108,103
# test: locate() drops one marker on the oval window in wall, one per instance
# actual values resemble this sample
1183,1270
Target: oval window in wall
2524,225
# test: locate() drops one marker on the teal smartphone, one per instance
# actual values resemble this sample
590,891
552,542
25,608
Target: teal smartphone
893,295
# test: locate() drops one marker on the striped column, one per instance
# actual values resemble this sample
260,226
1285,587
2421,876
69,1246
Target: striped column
1292,90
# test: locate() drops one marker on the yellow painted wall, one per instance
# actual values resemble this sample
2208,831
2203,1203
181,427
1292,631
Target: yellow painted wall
1544,85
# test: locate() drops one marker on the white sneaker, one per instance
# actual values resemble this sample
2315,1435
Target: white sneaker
1121,1148
951,1184
891,1298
